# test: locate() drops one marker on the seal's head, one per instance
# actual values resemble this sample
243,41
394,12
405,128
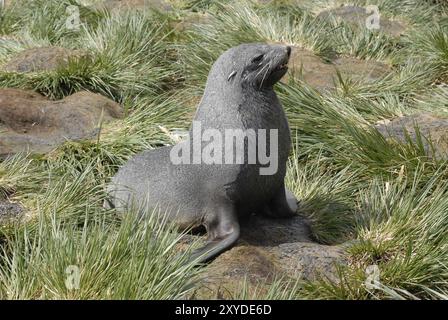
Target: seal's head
254,65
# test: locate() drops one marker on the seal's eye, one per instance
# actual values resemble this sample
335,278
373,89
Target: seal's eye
258,58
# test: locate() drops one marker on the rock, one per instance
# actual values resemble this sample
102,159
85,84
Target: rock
310,68
41,59
190,20
268,250
309,260
30,122
225,276
10,211
266,232
322,75
358,16
357,69
431,127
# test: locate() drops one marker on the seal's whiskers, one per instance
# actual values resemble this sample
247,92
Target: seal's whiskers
265,74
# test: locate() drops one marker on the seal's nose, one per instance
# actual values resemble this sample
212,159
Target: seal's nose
288,51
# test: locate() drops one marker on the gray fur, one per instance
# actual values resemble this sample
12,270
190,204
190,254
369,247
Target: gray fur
238,95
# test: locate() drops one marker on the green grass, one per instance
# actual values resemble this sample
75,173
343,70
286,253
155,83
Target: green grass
113,261
113,63
387,199
402,230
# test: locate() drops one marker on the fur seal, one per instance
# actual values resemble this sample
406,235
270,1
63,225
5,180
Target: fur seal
239,94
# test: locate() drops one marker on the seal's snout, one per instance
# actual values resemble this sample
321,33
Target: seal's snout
283,58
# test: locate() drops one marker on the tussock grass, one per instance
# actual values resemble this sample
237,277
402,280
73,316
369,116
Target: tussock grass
146,127
338,129
431,45
67,228
279,289
325,197
411,12
403,231
289,24
45,19
112,63
99,260
242,22
19,174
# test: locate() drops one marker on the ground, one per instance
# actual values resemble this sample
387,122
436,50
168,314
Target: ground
366,97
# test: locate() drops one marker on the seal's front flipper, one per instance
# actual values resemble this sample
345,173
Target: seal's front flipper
223,230
292,201
283,205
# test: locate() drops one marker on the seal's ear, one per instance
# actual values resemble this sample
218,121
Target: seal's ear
231,75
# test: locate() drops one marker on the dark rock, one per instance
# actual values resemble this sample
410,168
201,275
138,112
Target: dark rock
41,59
10,211
268,250
357,16
30,122
432,129
266,232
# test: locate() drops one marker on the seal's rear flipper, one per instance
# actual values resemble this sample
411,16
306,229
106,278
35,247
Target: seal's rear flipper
214,248
223,232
